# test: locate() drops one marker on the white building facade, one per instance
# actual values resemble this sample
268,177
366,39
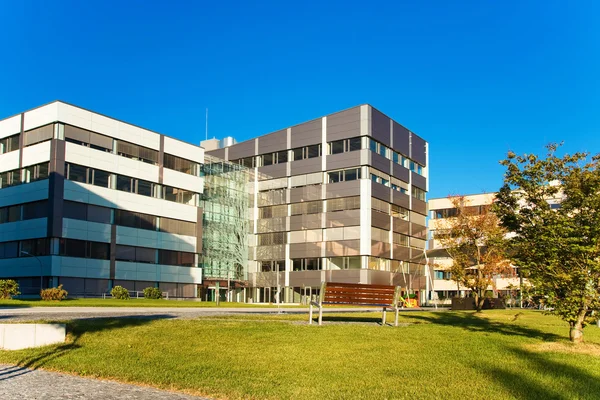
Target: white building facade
91,202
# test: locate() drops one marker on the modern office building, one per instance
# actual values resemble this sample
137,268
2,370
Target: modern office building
441,211
339,198
91,202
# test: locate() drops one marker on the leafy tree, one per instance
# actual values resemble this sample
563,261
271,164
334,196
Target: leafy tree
8,289
557,247
474,240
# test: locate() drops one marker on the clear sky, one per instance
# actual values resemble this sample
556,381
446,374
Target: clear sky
474,78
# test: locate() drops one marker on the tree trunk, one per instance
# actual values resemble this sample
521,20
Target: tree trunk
576,332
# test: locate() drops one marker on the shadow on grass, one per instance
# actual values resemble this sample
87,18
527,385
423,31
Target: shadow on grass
571,382
345,318
75,330
472,322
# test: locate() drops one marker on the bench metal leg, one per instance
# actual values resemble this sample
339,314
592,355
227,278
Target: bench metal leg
384,317
396,323
320,315
310,314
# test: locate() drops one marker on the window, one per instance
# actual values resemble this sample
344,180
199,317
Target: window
178,195
125,253
302,153
36,172
400,239
89,139
100,178
399,212
77,173
38,135
379,177
87,212
344,175
380,149
181,258
336,263
269,239
98,214
273,158
272,211
418,193
344,203
178,227
380,205
136,152
308,207
97,250
9,250
306,264
9,144
135,220
380,235
181,165
399,188
84,249
35,247
10,178
414,167
125,183
145,188
444,213
38,209
247,162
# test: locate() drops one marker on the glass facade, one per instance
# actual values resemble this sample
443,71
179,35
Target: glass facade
225,222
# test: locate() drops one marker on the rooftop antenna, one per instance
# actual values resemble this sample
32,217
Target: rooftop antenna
206,123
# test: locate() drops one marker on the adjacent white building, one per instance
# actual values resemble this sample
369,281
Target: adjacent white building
91,202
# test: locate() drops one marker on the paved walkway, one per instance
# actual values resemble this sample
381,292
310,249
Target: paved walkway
23,383
68,313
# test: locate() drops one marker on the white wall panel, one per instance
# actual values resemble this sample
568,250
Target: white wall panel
20,230
157,272
95,122
9,161
76,191
25,266
83,155
24,193
81,267
184,150
85,230
159,240
37,153
41,116
183,181
10,126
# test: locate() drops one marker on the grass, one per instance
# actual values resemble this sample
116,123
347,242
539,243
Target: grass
122,303
449,355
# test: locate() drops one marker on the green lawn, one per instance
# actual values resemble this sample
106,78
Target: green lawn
123,303
446,355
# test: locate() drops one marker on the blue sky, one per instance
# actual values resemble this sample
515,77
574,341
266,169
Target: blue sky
474,78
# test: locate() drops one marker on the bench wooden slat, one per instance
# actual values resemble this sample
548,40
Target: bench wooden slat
387,299
354,285
359,292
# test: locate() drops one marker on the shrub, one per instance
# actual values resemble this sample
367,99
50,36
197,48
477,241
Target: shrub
152,293
8,289
57,293
119,292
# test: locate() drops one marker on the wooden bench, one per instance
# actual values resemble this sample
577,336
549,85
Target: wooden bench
357,295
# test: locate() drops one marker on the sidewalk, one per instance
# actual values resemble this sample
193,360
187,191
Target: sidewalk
23,383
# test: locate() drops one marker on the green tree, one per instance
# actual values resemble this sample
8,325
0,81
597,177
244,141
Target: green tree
557,247
474,240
